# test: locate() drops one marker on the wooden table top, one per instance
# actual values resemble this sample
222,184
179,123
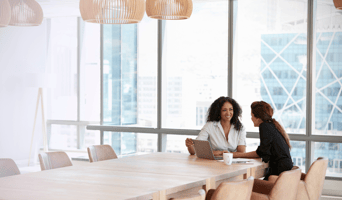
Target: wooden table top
144,176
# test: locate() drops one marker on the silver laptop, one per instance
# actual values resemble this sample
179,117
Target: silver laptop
203,150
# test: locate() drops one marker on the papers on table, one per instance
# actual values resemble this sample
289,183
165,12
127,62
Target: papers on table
242,160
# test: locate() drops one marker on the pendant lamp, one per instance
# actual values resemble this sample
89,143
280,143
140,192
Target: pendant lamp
338,4
112,11
26,13
169,9
5,13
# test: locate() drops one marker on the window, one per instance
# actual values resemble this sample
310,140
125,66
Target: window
129,79
74,101
62,99
270,54
328,74
298,153
191,63
194,68
332,152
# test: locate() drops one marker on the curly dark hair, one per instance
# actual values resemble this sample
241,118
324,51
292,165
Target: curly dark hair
214,112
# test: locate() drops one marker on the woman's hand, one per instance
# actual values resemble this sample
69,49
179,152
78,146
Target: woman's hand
188,142
220,153
190,145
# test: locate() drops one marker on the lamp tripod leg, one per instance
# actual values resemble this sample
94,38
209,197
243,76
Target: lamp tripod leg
45,142
34,125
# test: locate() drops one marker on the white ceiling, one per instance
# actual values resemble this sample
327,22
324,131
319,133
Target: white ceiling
68,8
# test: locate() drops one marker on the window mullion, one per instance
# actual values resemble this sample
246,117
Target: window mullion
101,82
310,84
79,46
162,138
230,47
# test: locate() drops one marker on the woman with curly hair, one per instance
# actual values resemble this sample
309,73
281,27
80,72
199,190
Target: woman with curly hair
223,129
274,142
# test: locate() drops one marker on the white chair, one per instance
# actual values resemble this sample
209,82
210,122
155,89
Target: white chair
101,152
53,160
234,190
8,167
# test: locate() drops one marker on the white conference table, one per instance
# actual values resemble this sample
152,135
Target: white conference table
151,176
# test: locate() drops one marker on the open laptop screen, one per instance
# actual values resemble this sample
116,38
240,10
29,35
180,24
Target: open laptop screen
203,150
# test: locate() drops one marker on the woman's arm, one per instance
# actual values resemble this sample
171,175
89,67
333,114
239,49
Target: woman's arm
190,145
251,154
203,135
241,148
220,153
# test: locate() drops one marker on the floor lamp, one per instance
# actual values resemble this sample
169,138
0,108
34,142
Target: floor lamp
40,97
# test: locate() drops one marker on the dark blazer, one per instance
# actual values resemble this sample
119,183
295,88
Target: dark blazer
273,149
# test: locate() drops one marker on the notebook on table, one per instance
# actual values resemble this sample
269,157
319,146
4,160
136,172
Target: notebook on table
203,150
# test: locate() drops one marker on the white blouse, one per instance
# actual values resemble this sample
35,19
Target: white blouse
213,132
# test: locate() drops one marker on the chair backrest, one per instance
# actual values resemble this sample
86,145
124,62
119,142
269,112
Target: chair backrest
235,190
315,177
199,196
286,186
8,167
53,160
101,152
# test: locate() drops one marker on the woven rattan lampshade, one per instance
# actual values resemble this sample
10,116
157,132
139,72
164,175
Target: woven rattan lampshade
338,4
112,11
5,13
26,13
169,9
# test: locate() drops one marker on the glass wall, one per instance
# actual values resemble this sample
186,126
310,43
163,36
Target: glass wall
332,151
298,153
195,60
328,109
120,74
63,137
73,95
270,59
62,96
129,79
269,63
131,143
194,72
90,75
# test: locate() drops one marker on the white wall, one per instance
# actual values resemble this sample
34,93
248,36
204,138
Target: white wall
23,56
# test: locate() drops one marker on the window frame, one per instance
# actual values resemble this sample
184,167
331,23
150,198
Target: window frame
308,138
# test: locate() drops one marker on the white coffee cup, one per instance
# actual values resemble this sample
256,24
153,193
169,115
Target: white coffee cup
228,158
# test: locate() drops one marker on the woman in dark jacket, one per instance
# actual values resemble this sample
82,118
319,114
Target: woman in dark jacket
274,142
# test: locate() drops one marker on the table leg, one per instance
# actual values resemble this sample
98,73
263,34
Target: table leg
161,195
247,174
210,184
252,172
